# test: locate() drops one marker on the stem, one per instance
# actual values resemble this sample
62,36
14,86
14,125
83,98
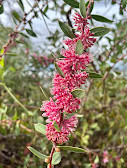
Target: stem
88,8
13,97
51,155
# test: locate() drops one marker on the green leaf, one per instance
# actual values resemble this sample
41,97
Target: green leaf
11,54
82,8
58,69
38,154
54,56
31,33
100,31
1,67
124,2
45,96
21,4
56,126
72,149
78,93
66,30
1,9
40,128
2,62
94,75
46,9
79,47
72,3
101,18
56,158
24,35
16,15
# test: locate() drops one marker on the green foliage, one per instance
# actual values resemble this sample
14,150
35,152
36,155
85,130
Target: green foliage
40,128
78,93
38,154
1,9
94,75
72,3
31,33
44,94
16,15
82,8
56,158
21,4
66,29
100,31
79,47
72,149
56,126
101,18
58,69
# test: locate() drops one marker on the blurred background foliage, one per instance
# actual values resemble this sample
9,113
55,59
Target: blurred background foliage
28,64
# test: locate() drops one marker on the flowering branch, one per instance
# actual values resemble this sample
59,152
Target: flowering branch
71,73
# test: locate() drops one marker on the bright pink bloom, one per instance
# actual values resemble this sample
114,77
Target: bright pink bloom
62,104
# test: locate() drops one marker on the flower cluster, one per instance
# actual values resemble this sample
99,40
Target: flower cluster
62,105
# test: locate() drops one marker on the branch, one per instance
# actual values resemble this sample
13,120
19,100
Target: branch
107,73
14,98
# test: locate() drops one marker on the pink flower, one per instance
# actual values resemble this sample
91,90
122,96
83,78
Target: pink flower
105,157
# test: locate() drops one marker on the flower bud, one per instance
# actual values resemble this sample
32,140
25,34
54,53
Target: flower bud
47,160
57,149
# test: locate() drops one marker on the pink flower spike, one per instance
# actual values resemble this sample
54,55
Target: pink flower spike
63,104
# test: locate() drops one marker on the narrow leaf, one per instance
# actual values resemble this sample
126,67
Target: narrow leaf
72,3
100,31
16,15
46,9
79,47
45,96
24,35
40,128
78,93
1,9
94,75
82,8
31,33
2,62
72,149
1,67
54,56
38,154
101,18
11,54
58,69
21,4
66,30
56,158
56,126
